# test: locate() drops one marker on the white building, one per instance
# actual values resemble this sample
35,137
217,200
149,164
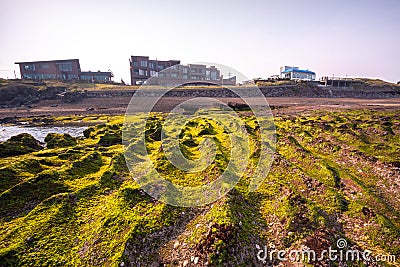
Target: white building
294,73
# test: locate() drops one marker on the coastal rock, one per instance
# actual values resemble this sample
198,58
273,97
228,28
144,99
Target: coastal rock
55,140
18,145
72,97
20,94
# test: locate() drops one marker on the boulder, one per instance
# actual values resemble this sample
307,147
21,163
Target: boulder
18,145
54,140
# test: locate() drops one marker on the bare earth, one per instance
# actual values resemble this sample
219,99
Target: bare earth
118,105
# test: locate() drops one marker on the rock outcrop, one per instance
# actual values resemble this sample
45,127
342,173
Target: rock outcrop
55,140
19,94
18,145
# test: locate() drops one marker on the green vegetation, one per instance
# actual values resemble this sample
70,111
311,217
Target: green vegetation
74,203
375,82
19,145
275,83
55,140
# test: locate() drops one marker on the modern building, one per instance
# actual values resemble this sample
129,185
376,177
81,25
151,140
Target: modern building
172,73
294,73
339,82
142,68
66,69
96,76
191,74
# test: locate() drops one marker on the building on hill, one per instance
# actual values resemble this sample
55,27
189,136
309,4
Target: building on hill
339,82
191,74
294,73
142,68
98,77
66,70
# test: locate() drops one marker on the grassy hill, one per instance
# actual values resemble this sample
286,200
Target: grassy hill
335,175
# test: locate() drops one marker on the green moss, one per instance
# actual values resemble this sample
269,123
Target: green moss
79,206
89,132
111,138
8,178
18,145
55,140
90,163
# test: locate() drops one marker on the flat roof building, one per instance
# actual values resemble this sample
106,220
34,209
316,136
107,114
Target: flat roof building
96,76
191,74
65,69
142,68
294,73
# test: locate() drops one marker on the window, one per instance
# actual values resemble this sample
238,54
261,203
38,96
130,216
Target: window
101,77
29,67
153,73
142,72
86,77
208,77
152,65
185,76
213,75
64,66
44,66
134,63
185,70
174,75
61,76
160,67
143,63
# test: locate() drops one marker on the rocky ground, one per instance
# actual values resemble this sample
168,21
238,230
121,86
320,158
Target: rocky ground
118,106
72,201
24,98
336,174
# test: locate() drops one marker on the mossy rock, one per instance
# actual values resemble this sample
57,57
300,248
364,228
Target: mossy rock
82,203
89,132
25,196
70,154
29,165
18,145
90,163
8,178
110,139
55,140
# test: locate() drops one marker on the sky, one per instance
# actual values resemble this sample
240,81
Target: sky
353,38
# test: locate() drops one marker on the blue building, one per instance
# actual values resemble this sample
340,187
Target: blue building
294,73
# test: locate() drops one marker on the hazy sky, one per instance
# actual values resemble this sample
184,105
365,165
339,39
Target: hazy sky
354,38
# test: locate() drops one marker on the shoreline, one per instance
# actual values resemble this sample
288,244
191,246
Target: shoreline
117,106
